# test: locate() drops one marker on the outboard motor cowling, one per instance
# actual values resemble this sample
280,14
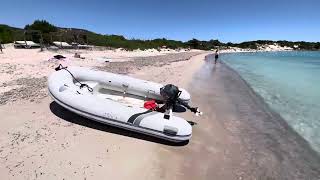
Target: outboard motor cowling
170,92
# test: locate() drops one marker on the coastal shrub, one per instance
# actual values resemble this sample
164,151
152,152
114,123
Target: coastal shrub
41,25
5,34
9,34
248,45
194,43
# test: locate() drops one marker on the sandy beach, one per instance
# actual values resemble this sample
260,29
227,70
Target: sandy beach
238,137
41,140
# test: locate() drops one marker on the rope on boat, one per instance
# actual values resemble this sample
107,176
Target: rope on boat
81,84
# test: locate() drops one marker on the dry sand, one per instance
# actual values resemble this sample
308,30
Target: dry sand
41,140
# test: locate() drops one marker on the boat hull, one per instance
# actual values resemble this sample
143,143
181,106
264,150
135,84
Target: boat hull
66,93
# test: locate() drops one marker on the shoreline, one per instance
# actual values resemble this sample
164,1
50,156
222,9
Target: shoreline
266,107
274,108
257,142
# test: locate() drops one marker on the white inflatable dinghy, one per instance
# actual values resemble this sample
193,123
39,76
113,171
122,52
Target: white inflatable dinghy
116,100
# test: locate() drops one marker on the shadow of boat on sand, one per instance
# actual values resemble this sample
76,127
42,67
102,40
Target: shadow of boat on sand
69,116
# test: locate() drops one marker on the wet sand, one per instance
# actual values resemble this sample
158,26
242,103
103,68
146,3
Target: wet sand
239,136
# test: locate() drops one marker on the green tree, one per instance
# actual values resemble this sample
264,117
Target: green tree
41,25
5,34
194,43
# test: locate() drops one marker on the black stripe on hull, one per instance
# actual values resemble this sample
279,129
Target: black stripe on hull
135,116
143,130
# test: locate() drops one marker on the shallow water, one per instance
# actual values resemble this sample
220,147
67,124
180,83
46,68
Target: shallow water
239,136
289,84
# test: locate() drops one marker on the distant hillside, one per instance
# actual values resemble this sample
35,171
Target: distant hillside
52,33
7,33
298,45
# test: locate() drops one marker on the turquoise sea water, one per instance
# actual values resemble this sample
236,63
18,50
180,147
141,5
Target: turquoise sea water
289,82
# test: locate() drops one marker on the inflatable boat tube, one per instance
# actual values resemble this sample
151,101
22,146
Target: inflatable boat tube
117,100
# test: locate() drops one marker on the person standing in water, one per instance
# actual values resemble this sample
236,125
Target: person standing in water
216,56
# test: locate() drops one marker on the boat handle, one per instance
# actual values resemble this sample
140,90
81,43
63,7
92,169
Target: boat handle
125,88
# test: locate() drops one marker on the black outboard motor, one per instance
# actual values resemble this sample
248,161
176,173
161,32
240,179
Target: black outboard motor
170,94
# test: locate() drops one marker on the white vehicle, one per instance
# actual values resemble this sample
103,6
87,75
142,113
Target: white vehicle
117,100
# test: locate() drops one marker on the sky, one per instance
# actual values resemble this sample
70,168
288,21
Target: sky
225,20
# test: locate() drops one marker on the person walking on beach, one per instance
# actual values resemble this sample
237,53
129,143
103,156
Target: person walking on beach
216,56
0,46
